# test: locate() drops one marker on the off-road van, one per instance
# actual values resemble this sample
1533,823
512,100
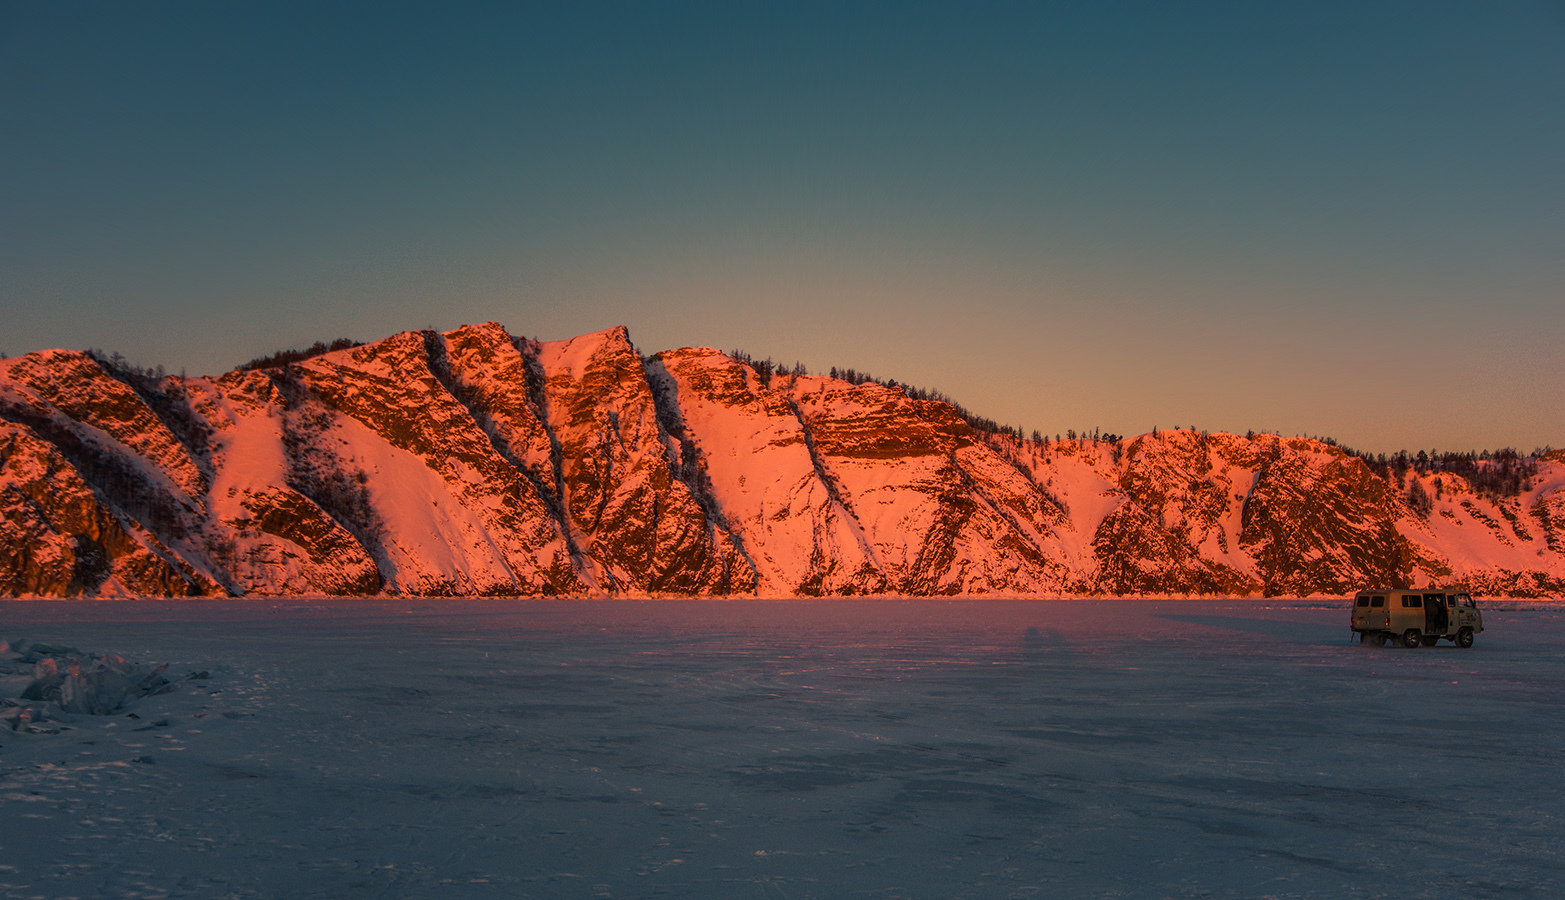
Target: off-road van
1416,617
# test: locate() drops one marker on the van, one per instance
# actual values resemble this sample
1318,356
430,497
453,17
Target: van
1414,617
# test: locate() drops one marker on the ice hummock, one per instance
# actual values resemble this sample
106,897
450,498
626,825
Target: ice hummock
39,681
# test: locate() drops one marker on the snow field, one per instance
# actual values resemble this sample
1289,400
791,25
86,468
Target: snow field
793,749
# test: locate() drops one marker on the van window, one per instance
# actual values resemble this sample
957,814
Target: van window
1412,601
1363,601
1450,601
1377,601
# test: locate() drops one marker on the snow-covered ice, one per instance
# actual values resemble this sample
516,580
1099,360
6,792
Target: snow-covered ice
794,749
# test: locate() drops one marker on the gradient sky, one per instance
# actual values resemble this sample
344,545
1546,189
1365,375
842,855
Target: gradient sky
1342,219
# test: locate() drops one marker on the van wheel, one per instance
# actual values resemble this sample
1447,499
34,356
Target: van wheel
1379,639
1464,638
1411,639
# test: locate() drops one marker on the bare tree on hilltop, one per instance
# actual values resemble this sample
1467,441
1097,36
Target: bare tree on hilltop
1497,473
284,357
765,369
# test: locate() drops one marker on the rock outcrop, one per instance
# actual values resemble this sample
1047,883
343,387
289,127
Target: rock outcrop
477,463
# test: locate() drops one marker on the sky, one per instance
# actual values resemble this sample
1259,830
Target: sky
1332,219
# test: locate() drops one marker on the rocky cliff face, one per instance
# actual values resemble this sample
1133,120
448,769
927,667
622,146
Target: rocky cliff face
477,463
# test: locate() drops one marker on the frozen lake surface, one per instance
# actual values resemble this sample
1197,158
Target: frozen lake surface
796,749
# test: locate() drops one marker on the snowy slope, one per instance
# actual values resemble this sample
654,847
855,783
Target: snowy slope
640,515
759,470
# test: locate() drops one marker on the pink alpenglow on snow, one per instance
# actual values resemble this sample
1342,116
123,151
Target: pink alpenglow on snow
476,463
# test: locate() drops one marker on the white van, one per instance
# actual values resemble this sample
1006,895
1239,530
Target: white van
1414,617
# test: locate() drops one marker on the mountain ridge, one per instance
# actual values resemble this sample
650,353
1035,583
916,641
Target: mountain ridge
473,462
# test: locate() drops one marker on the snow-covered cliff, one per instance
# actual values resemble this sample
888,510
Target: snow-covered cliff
477,463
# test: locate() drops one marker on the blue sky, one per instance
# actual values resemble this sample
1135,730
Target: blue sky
1341,219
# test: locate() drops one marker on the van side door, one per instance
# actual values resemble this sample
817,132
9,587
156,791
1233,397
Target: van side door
1437,619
